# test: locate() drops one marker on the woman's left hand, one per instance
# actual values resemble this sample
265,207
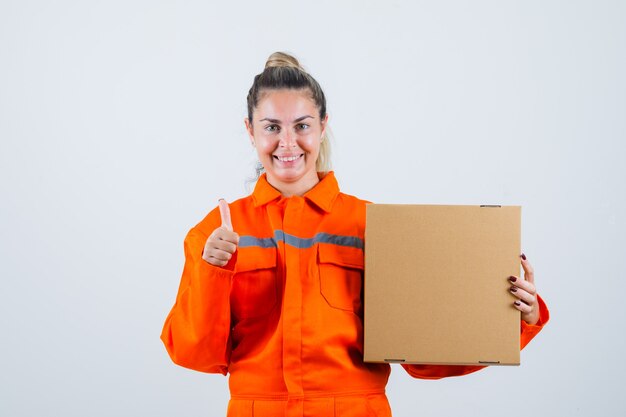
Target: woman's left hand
526,293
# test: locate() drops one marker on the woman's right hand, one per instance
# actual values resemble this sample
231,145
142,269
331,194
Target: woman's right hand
222,244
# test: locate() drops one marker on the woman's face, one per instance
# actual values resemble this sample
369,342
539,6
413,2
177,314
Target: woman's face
286,131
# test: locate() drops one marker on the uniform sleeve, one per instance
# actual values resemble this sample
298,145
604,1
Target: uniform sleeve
196,333
527,333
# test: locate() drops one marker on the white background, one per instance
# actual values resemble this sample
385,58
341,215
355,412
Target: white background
121,123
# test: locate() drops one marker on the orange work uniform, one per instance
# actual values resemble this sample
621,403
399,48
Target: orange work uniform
285,316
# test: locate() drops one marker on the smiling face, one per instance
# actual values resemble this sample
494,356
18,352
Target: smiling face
286,131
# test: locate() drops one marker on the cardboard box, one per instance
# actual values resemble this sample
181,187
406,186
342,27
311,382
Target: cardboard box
436,289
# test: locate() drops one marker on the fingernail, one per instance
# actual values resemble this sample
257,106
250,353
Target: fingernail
513,289
517,303
523,256
512,279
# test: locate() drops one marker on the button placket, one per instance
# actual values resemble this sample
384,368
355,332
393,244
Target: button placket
292,310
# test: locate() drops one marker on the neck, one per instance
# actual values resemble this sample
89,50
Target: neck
299,187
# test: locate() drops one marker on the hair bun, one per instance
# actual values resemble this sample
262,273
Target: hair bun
281,59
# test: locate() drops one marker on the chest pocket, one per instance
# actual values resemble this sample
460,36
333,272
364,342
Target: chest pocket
341,276
255,285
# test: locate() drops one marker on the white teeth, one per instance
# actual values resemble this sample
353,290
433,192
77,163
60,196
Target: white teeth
288,158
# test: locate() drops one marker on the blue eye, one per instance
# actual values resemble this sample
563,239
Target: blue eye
303,126
271,128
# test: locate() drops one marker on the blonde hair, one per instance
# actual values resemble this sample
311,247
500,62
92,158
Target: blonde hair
284,71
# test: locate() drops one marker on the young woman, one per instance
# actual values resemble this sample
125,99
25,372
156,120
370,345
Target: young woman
271,288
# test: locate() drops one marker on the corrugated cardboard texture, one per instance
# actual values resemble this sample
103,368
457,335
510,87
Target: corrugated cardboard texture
436,289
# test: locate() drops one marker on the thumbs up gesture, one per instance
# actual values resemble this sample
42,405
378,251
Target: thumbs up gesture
222,244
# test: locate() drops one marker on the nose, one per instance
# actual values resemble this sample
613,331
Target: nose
287,139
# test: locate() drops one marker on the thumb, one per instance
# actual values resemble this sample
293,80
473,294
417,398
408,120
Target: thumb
225,214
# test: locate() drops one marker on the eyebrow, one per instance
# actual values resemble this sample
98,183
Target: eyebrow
299,119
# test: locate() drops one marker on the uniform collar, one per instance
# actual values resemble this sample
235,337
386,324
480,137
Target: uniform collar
322,195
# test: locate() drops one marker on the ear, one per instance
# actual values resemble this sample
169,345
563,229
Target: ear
324,123
249,129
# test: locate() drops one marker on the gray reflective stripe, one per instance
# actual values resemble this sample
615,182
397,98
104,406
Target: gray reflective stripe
299,242
261,242
352,241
